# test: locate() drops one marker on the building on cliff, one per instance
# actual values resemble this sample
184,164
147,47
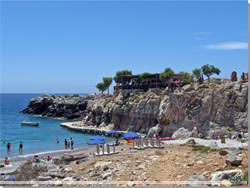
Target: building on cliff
137,83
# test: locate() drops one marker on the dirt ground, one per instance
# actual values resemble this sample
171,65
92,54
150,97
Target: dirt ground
173,163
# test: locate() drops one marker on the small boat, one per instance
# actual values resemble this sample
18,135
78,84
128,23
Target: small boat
36,124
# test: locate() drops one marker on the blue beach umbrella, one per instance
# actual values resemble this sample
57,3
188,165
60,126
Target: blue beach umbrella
130,135
95,142
98,138
112,132
11,179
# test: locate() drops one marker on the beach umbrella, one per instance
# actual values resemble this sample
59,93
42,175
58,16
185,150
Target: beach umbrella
101,138
130,135
112,132
95,142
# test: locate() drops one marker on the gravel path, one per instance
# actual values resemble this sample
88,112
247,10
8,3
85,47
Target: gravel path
210,143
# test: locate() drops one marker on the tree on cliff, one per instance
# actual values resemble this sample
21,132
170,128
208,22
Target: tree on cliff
101,87
107,81
186,77
209,70
197,73
168,73
144,76
120,73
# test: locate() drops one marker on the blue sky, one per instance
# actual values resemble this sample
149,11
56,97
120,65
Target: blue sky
67,47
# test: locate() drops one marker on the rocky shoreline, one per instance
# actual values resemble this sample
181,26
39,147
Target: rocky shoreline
220,105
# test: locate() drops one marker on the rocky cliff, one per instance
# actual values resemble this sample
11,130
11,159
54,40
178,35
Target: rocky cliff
219,105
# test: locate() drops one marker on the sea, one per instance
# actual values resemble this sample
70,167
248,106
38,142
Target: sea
36,140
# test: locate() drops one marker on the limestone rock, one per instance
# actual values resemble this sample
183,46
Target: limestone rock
226,183
200,162
182,133
190,142
233,159
44,178
188,88
106,175
103,165
222,175
215,106
198,179
68,179
223,152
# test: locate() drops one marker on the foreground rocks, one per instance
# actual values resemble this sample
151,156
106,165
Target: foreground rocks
224,175
170,163
218,107
197,179
182,133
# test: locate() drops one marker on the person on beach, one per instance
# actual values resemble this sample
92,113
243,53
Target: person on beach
49,158
8,147
68,141
57,141
6,161
239,137
117,143
35,159
72,143
21,147
65,143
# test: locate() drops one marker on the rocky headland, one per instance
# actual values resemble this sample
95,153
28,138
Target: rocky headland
219,105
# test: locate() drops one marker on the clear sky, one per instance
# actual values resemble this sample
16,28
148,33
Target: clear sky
62,46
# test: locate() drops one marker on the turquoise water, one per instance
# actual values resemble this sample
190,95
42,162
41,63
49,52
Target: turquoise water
35,139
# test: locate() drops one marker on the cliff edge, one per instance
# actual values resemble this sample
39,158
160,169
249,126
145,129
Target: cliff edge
219,105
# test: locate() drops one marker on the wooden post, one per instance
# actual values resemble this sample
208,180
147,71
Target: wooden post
103,149
108,149
223,140
97,149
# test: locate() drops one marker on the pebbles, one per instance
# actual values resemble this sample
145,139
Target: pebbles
200,162
209,143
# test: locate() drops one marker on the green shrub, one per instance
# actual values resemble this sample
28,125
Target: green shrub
219,169
201,149
120,73
246,176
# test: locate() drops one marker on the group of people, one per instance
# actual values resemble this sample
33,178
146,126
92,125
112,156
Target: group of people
8,145
36,159
69,143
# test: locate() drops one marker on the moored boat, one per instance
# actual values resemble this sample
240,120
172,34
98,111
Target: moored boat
36,124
